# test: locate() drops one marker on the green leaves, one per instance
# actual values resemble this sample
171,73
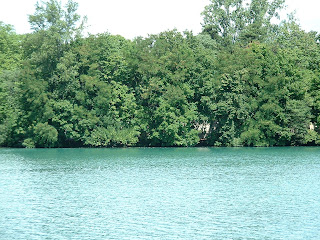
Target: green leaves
229,21
113,135
172,72
242,82
51,16
45,135
10,51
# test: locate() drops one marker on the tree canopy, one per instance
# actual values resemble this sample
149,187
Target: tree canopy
231,21
243,81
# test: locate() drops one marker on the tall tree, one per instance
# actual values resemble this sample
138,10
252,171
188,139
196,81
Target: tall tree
10,51
54,28
10,61
228,21
49,68
172,72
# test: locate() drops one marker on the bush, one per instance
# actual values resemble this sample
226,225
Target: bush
28,143
45,135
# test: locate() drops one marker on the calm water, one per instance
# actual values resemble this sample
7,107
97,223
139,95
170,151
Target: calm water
196,193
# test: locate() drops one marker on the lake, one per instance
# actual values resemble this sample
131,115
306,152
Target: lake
160,193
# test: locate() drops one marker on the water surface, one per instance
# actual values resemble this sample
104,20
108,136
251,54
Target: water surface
160,193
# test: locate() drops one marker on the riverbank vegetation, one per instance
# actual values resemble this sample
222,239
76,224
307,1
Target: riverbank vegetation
243,81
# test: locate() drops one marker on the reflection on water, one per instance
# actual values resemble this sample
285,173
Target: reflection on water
160,193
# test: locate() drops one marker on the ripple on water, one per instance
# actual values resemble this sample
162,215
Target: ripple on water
196,193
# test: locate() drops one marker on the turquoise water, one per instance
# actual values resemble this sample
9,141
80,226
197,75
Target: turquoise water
160,193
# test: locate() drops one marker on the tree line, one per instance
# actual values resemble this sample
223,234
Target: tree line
243,81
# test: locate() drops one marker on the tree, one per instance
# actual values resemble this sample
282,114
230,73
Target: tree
45,135
172,70
10,109
48,73
50,16
103,93
242,82
10,51
10,61
55,29
228,21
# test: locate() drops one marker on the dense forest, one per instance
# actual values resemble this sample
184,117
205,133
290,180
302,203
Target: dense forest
243,81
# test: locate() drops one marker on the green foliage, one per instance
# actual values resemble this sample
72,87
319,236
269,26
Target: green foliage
229,21
50,16
10,109
252,137
45,135
173,69
55,28
10,52
10,61
28,143
312,138
243,81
